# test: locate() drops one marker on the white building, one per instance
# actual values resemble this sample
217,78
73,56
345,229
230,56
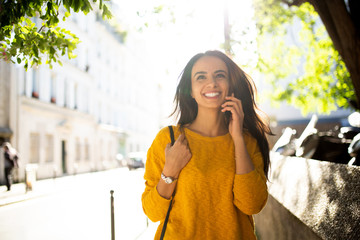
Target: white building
77,117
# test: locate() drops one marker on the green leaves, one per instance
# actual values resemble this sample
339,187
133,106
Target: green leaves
29,31
302,65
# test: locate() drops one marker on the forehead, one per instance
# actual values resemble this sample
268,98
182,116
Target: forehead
208,64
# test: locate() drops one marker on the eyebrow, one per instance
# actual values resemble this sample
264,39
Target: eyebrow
202,72
199,73
222,71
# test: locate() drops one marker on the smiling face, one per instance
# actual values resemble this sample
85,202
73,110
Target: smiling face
209,82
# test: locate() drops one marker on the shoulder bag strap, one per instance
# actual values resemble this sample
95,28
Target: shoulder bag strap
172,135
168,212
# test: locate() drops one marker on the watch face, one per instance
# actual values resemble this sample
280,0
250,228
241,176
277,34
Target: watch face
167,180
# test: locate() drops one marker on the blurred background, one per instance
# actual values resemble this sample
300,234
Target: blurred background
118,91
100,109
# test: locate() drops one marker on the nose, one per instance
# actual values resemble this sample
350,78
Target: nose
213,81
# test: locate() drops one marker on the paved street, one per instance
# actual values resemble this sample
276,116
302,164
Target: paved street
78,207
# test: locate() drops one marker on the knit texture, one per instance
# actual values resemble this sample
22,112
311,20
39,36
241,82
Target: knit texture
211,201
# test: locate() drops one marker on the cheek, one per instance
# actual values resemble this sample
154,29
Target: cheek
226,87
194,90
194,94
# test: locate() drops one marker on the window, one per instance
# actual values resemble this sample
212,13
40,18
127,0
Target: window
34,148
110,156
76,97
74,18
100,119
35,83
78,150
87,150
53,89
87,65
23,90
66,91
49,148
101,147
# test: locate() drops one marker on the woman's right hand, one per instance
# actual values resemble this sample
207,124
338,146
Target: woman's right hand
176,157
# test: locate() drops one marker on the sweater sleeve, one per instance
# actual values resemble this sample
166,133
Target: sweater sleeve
250,189
155,206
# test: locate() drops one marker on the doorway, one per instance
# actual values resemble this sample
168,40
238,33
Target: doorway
63,156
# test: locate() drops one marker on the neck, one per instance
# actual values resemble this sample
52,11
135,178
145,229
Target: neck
209,122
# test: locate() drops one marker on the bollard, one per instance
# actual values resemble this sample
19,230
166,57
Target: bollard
112,215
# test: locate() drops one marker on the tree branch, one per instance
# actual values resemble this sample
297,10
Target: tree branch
40,29
293,2
343,32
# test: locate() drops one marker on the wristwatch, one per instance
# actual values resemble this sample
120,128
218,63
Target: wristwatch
168,180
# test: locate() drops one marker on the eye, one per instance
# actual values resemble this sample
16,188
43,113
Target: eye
220,75
200,77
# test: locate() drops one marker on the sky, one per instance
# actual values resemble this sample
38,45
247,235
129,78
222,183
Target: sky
183,29
198,26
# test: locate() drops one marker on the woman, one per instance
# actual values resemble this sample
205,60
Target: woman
10,158
219,162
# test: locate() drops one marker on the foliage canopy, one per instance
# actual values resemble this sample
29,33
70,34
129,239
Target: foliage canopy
302,66
29,29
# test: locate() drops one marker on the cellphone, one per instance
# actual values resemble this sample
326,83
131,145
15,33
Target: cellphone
228,113
227,117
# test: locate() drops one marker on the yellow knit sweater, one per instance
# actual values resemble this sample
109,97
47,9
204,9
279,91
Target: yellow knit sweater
211,201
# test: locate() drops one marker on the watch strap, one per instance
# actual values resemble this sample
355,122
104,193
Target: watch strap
168,180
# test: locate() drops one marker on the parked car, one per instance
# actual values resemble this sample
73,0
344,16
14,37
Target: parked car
136,160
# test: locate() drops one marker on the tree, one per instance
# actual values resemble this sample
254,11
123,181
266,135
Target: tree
29,29
330,77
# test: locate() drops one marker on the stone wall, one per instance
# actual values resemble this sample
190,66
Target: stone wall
275,222
310,199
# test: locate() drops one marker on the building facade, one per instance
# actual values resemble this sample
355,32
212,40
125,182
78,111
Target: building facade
77,117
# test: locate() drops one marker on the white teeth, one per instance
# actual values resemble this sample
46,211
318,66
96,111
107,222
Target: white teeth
212,94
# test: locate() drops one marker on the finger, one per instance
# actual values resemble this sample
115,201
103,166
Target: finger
236,106
184,141
168,146
233,111
180,138
236,114
241,106
232,99
238,103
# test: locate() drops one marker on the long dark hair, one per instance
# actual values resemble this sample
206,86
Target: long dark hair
243,88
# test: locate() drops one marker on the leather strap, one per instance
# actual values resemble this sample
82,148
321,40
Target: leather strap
170,205
172,135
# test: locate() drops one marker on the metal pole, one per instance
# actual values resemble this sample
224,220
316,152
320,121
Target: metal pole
112,215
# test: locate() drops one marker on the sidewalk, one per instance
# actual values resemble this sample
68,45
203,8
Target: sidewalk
41,188
149,232
48,187
18,191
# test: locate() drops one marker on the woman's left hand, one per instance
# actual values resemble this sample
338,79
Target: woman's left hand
234,106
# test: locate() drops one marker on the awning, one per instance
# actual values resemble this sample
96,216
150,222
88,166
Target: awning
5,132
